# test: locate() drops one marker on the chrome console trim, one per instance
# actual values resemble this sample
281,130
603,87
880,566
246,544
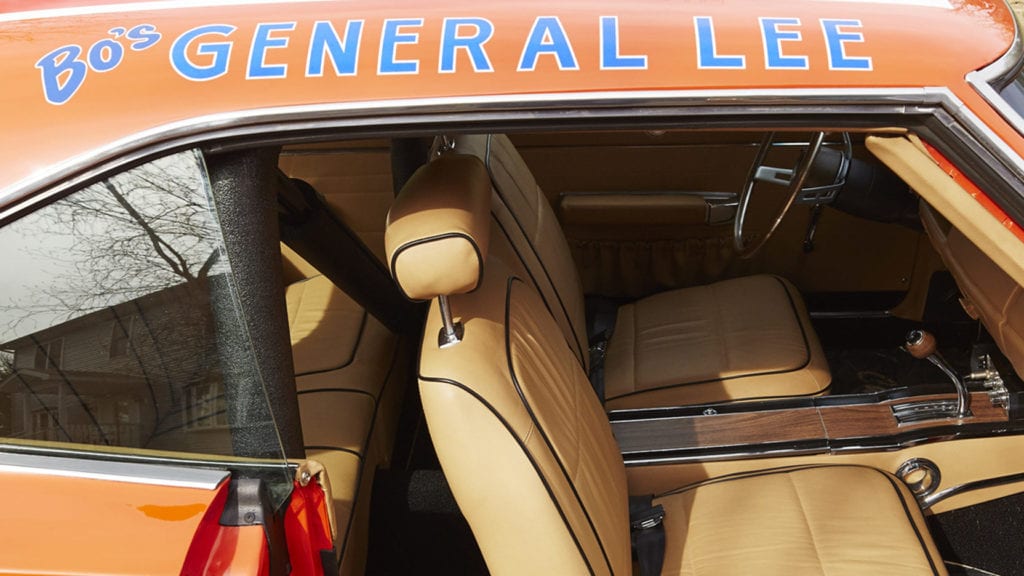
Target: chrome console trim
937,497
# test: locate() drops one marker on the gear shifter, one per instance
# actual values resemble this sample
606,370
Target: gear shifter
922,345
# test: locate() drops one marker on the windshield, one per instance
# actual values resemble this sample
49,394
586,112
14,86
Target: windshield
119,325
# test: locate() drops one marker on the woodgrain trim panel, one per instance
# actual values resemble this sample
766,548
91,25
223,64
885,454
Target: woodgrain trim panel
863,421
833,425
717,431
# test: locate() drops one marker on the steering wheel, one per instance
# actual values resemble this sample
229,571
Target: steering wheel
792,179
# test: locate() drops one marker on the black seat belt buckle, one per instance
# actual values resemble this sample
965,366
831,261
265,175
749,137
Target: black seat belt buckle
648,519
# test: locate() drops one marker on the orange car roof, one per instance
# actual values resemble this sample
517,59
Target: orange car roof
80,76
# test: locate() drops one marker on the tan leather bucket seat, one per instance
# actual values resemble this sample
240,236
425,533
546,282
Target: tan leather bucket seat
529,453
738,339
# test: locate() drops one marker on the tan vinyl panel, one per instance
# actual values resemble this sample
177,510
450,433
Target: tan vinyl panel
986,259
737,339
512,398
355,180
295,267
834,521
438,232
989,294
966,214
644,210
629,260
528,220
324,323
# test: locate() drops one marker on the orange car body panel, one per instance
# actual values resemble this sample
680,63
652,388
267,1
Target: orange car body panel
137,87
66,525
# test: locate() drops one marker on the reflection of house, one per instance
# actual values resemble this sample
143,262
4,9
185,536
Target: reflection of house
143,373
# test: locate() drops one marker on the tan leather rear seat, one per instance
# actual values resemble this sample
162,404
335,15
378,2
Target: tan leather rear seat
530,456
350,384
741,339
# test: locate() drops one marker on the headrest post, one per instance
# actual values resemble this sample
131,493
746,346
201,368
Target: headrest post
451,333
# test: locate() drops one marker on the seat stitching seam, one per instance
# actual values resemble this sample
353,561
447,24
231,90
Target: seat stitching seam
526,452
807,522
522,230
633,352
352,358
366,444
807,347
533,417
724,349
910,519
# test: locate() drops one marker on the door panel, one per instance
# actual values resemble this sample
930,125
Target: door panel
637,209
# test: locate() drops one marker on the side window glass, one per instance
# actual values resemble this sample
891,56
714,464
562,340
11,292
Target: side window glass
110,303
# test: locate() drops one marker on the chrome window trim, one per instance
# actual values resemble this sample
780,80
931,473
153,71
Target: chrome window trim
999,73
113,471
412,113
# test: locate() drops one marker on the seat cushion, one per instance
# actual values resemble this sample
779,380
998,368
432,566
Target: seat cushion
736,339
834,520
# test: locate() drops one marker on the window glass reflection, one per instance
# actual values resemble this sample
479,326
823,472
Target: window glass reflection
108,331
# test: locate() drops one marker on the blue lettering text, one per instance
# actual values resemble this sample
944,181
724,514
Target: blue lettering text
610,57
547,37
219,53
263,41
105,55
773,38
835,44
324,43
143,36
473,44
707,54
63,73
391,37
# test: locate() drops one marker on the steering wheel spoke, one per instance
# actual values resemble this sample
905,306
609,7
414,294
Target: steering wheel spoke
792,179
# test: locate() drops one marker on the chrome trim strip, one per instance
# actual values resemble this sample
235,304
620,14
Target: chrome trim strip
113,471
151,6
996,101
840,314
937,497
712,196
1009,63
999,74
737,455
411,112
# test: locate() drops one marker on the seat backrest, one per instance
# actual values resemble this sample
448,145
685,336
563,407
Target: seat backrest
989,293
529,223
525,445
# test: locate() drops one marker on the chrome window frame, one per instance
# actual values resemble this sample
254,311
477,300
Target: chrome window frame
735,108
990,80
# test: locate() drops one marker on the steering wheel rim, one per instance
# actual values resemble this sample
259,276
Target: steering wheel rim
796,182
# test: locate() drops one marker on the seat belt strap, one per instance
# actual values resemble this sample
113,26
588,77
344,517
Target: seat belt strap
647,534
601,317
597,352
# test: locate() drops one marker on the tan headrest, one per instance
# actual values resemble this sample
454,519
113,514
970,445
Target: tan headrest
438,228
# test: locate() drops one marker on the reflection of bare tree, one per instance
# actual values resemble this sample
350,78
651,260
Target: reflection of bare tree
121,291
6,364
134,234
